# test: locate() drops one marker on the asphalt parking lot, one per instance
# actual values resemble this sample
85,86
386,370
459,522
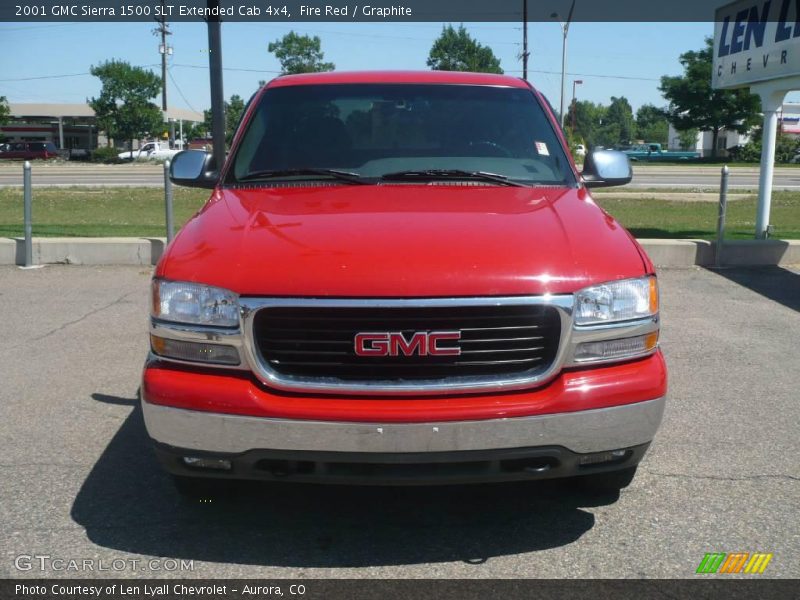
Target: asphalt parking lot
79,481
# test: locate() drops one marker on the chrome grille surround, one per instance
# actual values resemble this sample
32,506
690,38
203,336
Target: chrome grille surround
443,385
243,339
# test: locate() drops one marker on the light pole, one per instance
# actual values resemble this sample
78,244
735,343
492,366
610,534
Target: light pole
564,31
525,52
574,83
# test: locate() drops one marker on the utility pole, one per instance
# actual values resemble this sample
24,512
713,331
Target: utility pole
575,82
525,52
164,49
564,31
215,72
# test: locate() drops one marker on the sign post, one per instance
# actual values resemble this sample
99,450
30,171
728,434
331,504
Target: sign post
757,45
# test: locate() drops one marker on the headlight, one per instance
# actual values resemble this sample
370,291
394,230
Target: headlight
194,303
615,301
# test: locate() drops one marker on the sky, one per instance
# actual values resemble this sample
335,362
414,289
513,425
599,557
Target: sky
612,59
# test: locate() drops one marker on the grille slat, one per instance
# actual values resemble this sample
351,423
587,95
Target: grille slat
417,365
503,350
319,341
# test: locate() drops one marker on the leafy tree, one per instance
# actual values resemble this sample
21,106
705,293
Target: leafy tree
652,124
233,112
5,113
608,135
124,109
456,50
688,139
618,124
300,54
786,147
588,119
572,141
694,104
194,130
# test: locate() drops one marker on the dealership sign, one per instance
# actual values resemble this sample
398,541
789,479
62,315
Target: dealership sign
756,40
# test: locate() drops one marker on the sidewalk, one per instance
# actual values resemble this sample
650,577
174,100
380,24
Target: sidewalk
147,251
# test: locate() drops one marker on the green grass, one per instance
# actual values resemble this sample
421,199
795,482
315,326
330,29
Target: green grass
139,212
707,162
653,218
97,212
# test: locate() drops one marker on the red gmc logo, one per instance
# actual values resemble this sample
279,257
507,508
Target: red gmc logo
394,343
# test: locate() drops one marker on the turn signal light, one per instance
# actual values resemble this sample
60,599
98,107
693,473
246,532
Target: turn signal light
201,352
616,349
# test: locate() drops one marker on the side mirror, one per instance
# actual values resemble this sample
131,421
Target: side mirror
193,168
604,168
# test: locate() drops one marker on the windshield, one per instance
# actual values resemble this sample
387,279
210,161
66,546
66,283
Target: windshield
377,130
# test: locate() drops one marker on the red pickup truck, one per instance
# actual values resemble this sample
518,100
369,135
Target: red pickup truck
401,278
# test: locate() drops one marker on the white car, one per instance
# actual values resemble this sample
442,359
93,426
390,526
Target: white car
580,150
150,151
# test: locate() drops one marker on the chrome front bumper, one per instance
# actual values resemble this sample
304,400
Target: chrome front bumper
581,432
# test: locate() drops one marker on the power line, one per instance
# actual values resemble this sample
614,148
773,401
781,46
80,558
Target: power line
61,76
243,70
28,27
175,83
45,77
588,75
356,34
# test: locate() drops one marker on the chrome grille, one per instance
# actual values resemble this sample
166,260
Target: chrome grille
317,342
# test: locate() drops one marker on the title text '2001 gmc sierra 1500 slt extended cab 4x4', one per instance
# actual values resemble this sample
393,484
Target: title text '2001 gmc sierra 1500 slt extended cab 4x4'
401,277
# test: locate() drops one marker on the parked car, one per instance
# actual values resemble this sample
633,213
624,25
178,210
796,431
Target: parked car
654,152
150,151
29,150
580,150
400,277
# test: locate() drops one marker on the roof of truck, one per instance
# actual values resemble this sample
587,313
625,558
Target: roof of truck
447,77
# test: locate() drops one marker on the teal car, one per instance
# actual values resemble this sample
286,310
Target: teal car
654,152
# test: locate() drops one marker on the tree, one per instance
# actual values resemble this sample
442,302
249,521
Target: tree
233,112
652,124
588,119
5,112
124,109
456,50
688,139
300,54
618,124
694,104
786,147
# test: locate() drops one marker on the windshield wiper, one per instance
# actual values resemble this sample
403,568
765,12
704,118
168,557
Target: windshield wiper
276,173
451,174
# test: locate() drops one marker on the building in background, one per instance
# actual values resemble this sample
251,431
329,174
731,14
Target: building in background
789,121
71,127
704,143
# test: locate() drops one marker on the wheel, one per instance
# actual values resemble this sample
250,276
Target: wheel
612,481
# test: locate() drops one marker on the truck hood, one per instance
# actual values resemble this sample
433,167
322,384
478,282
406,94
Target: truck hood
401,241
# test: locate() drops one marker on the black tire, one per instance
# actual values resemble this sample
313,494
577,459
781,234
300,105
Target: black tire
603,483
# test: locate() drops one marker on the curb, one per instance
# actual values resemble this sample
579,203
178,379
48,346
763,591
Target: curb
84,251
147,251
